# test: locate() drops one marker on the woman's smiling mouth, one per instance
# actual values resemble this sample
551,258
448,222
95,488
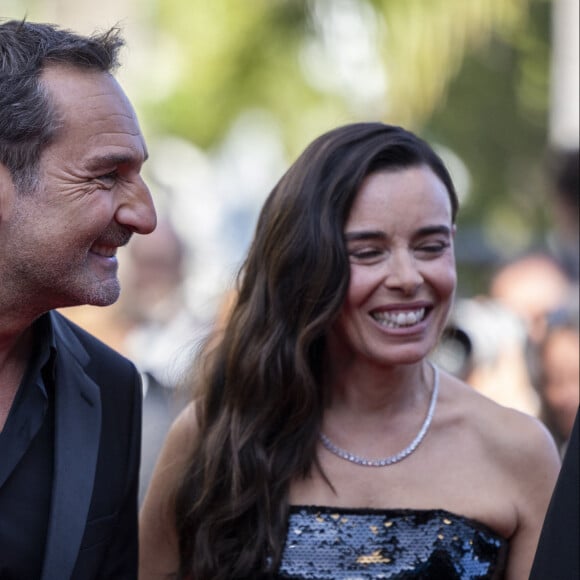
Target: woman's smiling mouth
399,319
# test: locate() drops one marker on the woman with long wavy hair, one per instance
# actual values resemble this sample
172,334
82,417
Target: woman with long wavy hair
322,443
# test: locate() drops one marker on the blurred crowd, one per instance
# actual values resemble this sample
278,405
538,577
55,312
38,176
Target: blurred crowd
519,342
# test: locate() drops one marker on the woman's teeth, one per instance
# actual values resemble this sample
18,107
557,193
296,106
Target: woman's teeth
398,319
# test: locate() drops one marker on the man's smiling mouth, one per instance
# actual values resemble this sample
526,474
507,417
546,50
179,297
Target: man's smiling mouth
104,251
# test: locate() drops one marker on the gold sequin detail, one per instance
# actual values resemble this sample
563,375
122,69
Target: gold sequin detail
374,529
375,558
446,521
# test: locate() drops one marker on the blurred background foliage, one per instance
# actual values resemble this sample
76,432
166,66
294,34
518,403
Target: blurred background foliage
471,76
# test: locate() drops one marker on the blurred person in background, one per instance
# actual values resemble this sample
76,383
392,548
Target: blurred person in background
484,345
488,339
160,323
527,288
492,341
555,370
531,286
322,441
564,238
71,194
160,332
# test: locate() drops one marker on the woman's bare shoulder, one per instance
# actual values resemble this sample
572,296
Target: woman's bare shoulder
506,432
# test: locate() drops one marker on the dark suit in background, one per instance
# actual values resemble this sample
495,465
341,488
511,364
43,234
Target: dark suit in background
558,553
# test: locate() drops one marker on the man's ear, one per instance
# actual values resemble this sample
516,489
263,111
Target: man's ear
7,192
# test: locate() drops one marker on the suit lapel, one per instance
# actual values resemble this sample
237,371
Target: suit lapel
77,433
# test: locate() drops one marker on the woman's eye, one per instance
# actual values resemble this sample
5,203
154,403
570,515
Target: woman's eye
367,253
434,248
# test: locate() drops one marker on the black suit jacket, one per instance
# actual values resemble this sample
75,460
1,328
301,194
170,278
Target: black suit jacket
558,553
92,531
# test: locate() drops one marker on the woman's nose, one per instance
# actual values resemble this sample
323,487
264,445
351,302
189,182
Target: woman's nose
403,274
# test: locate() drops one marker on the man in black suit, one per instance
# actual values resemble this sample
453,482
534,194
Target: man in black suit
71,193
558,553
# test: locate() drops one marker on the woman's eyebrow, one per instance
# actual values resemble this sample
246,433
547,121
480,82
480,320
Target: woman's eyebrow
430,230
378,234
364,235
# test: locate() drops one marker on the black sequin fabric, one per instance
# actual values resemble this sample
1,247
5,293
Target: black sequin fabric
404,544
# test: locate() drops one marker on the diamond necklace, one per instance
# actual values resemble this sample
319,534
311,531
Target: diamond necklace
343,454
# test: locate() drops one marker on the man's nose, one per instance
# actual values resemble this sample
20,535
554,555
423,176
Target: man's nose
136,210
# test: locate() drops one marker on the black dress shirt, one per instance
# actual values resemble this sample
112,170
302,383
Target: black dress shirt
26,464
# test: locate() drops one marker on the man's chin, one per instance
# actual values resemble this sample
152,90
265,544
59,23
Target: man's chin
104,294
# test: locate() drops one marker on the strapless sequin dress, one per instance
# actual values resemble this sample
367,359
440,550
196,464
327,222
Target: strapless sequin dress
397,544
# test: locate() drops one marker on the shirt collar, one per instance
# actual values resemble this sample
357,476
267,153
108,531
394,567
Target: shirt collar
44,354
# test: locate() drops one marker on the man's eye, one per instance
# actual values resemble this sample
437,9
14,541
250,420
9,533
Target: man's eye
109,178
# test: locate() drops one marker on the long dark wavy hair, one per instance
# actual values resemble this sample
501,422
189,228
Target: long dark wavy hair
260,393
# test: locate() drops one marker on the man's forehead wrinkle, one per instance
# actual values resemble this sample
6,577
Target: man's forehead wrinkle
98,94
97,103
133,132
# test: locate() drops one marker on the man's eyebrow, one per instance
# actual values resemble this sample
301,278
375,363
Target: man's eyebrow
111,160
